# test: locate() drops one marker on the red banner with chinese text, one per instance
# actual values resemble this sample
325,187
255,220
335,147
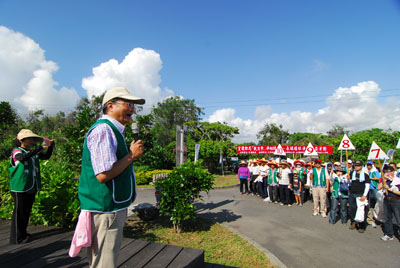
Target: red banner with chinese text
289,149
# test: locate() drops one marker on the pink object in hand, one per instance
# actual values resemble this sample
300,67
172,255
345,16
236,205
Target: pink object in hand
83,234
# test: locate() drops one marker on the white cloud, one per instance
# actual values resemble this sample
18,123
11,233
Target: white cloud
139,72
356,108
26,77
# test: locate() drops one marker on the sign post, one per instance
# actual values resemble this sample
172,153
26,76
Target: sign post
376,153
346,145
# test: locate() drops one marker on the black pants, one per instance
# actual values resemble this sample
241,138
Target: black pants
253,185
22,211
273,193
353,210
284,194
243,182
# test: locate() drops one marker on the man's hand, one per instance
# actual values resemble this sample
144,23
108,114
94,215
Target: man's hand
136,149
362,198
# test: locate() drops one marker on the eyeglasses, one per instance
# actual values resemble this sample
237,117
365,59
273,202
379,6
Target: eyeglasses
129,104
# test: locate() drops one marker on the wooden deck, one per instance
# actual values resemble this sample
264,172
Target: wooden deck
49,248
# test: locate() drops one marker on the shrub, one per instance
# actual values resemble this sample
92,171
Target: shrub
145,177
56,203
180,188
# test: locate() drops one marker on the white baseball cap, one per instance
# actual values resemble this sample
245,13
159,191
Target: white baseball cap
122,93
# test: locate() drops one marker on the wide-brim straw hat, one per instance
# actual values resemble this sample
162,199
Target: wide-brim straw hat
243,163
298,162
27,133
283,162
262,160
122,93
273,162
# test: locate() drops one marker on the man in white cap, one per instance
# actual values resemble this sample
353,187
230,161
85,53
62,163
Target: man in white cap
107,184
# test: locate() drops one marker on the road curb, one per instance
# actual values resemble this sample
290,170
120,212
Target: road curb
275,260
225,187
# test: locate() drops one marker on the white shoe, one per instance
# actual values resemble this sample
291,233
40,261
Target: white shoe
289,205
315,214
386,238
323,215
373,225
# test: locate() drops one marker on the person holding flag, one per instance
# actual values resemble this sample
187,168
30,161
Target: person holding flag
375,176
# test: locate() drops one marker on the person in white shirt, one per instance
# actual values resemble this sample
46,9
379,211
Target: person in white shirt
284,177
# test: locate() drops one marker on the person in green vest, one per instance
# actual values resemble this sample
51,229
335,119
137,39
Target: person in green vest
273,182
319,178
375,176
107,184
25,179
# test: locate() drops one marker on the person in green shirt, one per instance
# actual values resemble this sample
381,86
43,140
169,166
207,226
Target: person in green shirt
25,179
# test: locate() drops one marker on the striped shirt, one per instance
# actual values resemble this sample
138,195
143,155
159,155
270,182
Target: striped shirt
102,144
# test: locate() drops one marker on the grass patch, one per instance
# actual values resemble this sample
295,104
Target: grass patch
230,179
221,246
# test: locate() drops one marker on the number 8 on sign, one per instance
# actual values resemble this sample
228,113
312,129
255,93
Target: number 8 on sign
346,144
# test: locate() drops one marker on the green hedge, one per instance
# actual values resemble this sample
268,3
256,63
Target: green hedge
56,203
145,177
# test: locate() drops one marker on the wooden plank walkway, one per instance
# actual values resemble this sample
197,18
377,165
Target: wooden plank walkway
49,248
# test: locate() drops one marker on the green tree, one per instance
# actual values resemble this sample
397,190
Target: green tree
337,131
171,112
212,137
272,134
10,123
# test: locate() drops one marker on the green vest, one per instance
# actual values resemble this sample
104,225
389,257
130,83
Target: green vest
24,174
273,176
113,195
321,181
335,187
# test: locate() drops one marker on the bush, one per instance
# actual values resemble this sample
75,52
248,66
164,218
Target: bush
145,177
56,203
180,188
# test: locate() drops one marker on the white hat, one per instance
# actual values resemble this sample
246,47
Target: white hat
26,133
122,93
349,161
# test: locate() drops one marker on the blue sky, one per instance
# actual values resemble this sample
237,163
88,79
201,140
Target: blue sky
237,59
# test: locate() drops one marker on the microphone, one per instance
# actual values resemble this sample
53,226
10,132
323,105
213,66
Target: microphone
135,130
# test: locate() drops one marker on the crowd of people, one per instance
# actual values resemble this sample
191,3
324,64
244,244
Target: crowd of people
351,191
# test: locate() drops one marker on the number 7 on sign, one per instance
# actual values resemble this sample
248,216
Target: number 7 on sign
377,152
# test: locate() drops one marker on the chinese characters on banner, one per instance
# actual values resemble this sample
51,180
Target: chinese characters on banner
289,149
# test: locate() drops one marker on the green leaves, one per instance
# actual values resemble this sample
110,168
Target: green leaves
180,189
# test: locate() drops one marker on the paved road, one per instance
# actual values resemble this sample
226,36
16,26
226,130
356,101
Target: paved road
292,234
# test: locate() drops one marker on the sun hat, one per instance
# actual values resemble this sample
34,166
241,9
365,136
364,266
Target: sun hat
283,162
273,162
369,162
243,163
318,161
349,161
296,162
336,164
26,133
122,93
